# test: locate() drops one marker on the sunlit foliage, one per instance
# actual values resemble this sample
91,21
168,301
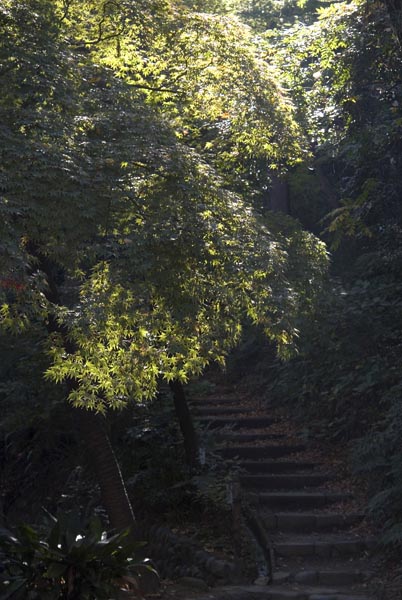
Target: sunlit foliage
114,223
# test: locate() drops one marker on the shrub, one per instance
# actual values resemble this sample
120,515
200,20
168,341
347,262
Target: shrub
71,558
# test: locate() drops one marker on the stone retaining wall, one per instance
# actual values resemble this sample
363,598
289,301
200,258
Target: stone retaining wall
179,556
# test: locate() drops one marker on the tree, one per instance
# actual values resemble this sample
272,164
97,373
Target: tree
131,247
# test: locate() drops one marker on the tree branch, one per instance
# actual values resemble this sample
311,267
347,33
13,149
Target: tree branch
100,37
67,4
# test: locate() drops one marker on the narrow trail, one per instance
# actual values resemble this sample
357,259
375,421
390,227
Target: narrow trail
306,514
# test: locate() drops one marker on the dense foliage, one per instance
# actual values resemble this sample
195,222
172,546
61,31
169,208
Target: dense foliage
343,69
149,260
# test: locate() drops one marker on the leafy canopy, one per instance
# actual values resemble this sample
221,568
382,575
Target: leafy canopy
132,239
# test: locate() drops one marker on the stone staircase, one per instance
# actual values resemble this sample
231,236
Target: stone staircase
315,550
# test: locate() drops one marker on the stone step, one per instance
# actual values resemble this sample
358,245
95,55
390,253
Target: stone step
235,423
277,466
325,594
214,401
259,451
230,436
308,522
212,411
283,482
311,575
338,596
329,546
286,592
300,500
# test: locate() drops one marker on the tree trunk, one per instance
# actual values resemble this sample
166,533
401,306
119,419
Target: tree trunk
113,490
327,187
279,195
394,8
186,423
102,457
